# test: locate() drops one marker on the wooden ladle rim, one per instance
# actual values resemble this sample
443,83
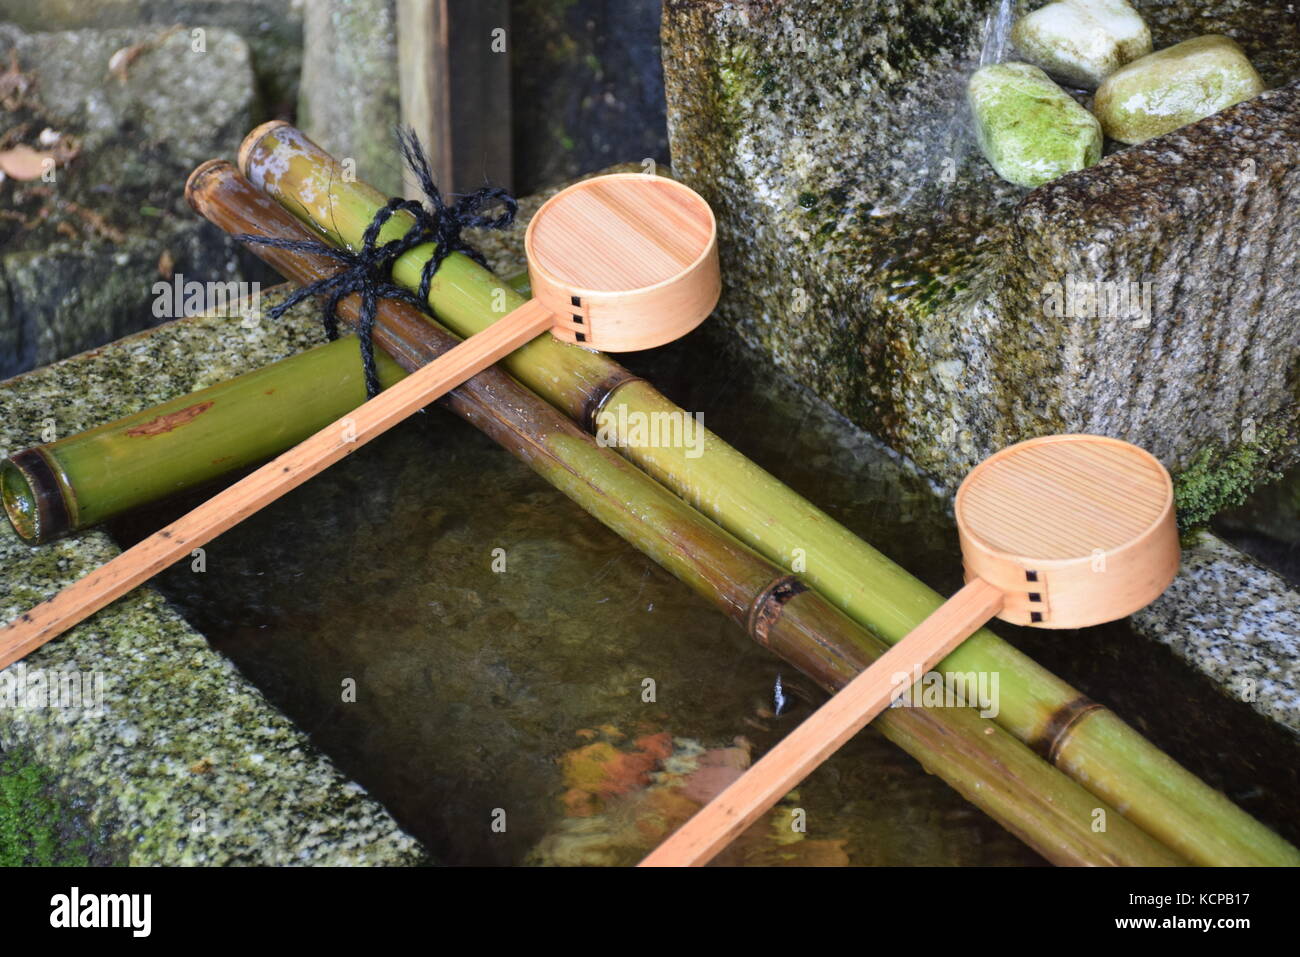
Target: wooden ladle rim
1133,542
535,264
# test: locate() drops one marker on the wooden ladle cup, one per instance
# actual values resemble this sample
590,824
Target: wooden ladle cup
1062,531
618,263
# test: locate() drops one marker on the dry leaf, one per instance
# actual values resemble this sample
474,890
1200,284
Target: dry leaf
23,162
166,264
120,62
14,84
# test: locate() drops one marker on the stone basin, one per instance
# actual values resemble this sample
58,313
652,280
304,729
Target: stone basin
487,691
871,250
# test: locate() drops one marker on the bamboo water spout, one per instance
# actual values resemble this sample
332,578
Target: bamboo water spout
1083,738
1064,531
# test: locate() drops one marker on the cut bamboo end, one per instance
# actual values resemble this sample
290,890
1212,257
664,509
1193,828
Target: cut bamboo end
249,145
34,496
194,185
1076,529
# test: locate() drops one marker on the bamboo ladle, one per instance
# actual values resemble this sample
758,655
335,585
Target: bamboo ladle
618,263
1063,531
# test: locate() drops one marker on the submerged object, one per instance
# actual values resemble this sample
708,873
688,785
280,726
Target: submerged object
1081,42
1175,86
1028,128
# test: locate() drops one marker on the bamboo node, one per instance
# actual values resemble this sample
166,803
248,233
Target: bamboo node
766,609
1059,725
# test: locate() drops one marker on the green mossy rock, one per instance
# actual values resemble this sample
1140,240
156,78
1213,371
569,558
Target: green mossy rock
1030,130
1081,42
1173,87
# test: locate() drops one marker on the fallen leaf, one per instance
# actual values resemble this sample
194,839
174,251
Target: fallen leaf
120,62
14,84
23,162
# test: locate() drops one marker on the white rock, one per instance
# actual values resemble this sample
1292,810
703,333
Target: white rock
1081,42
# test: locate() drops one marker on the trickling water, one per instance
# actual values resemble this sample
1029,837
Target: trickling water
997,33
953,140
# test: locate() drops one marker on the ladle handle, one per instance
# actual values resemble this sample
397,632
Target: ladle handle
801,751
232,505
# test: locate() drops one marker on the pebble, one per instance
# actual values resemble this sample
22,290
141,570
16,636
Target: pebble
1081,42
1029,129
1173,87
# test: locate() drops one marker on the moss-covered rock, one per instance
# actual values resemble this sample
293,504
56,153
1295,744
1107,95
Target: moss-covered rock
82,250
349,98
271,28
1028,128
41,827
873,253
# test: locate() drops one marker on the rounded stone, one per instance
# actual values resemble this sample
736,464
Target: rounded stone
1173,87
1030,129
1081,42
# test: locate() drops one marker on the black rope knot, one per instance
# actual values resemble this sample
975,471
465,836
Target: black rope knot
368,271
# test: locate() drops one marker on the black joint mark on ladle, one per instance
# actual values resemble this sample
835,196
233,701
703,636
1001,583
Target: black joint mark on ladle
1035,617
577,302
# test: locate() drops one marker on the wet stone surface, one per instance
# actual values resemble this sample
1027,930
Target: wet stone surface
872,252
186,762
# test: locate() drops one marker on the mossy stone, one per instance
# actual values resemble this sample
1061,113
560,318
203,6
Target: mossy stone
1029,129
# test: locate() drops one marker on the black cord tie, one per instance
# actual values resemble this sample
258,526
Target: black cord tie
369,270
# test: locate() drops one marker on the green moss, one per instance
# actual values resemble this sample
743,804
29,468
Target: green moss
36,828
1220,478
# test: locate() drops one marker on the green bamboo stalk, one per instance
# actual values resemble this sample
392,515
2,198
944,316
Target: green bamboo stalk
1089,742
84,479
997,773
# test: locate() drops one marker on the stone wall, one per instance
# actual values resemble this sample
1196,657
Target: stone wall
80,251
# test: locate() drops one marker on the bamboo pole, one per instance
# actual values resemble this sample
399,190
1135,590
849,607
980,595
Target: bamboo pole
1050,812
1083,738
323,448
84,479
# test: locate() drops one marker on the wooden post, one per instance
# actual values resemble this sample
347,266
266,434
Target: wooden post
454,79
